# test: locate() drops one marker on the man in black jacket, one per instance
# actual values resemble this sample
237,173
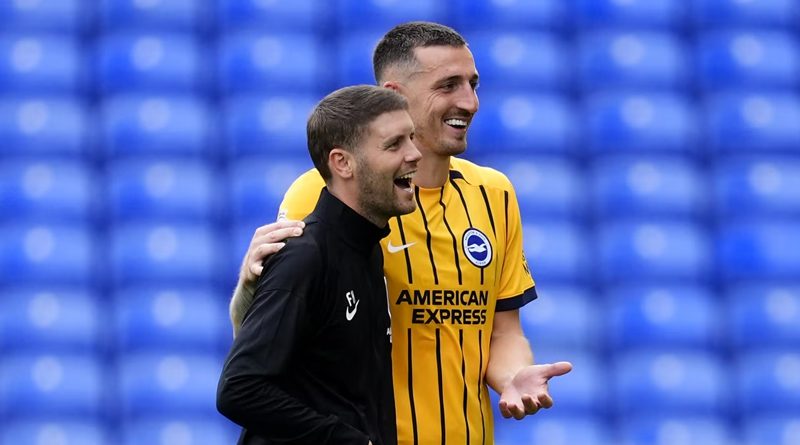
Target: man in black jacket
311,364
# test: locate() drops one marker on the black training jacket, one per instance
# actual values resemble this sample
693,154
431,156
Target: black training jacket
312,361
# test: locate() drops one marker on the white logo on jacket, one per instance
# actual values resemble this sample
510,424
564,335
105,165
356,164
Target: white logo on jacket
352,305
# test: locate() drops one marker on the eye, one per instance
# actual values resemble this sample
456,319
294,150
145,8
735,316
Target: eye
474,84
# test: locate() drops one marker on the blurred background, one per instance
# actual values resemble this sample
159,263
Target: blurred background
654,146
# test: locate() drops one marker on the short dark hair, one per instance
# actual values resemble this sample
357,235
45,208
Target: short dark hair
398,45
339,120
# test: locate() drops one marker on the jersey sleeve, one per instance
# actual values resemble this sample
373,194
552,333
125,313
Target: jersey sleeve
516,283
302,196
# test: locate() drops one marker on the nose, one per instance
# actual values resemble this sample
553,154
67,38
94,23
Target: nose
412,153
468,100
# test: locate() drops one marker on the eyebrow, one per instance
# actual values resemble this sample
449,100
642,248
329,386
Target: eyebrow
457,77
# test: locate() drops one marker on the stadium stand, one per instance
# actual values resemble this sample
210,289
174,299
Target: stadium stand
654,146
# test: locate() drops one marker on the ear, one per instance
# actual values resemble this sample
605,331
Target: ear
392,85
341,163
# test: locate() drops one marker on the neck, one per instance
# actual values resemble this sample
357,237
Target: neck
432,171
350,199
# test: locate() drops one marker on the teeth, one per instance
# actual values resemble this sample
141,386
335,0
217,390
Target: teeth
458,122
407,176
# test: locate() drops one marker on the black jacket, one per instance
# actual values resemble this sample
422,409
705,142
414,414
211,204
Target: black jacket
312,361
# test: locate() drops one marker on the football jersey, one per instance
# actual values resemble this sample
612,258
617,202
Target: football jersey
450,265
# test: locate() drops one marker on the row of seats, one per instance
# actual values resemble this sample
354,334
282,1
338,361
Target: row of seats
251,61
509,123
650,430
553,430
69,319
157,430
747,318
249,190
162,383
199,15
559,250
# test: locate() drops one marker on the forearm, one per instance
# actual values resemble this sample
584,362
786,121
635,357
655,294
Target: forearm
241,301
509,350
264,408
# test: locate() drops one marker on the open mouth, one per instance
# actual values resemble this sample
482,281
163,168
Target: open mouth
404,181
458,124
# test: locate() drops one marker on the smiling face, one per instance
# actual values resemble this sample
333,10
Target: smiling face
441,92
386,160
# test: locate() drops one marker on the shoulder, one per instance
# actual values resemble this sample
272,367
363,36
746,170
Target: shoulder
480,175
304,251
310,181
302,196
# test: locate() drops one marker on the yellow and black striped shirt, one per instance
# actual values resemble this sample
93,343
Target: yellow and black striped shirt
449,266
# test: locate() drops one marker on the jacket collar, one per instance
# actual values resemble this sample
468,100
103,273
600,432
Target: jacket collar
354,229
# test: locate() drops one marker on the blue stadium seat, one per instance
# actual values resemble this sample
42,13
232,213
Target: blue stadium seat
270,63
556,250
518,61
759,250
162,189
628,14
191,430
671,382
648,186
65,16
164,253
585,390
150,62
553,430
162,385
771,429
266,125
748,59
768,382
39,384
753,122
381,15
677,429
44,126
168,125
647,122
354,61
509,14
258,186
562,317
763,315
757,185
646,59
165,15
43,189
546,186
522,124
731,13
654,250
51,253
643,316
171,319
305,15
40,64
55,319
57,430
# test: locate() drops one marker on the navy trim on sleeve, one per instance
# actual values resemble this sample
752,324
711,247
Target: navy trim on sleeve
509,304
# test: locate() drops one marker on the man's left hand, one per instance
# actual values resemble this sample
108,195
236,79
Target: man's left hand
527,392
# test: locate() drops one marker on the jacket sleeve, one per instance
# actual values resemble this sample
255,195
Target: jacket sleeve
250,391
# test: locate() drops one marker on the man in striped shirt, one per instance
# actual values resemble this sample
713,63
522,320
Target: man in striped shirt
455,269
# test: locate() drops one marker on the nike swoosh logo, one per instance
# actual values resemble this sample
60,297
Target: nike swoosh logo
352,314
395,249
